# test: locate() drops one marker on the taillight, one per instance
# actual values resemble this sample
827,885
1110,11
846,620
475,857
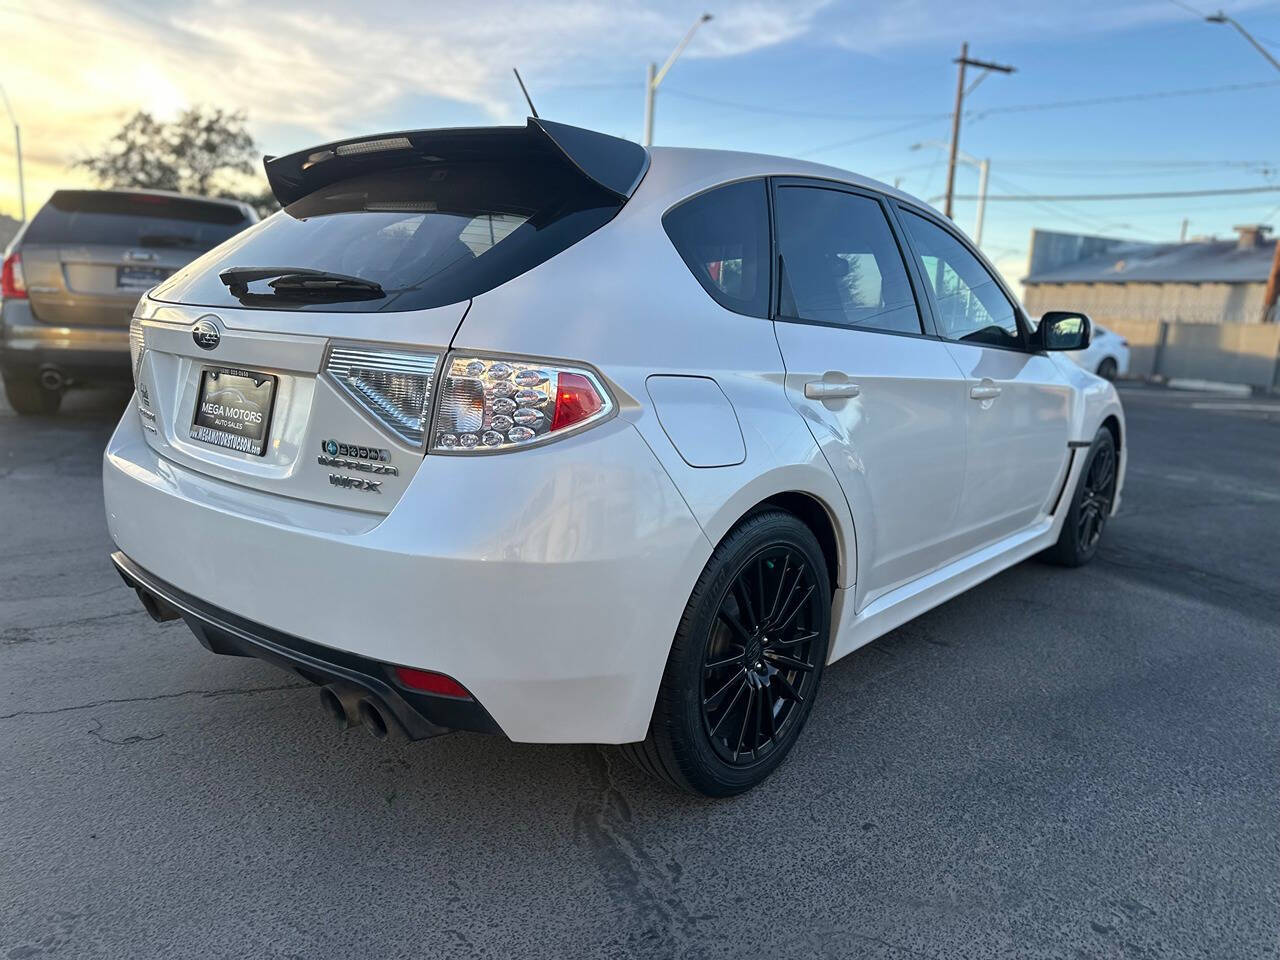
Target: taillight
393,385
493,404
13,285
137,345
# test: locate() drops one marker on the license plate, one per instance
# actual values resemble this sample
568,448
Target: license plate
233,409
139,278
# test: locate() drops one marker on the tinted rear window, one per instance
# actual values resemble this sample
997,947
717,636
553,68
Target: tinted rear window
723,236
429,235
134,220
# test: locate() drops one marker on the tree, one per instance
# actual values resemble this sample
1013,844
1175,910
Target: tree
205,151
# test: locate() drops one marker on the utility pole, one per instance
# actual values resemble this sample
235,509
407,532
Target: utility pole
17,141
986,67
1182,236
1221,17
654,77
1273,289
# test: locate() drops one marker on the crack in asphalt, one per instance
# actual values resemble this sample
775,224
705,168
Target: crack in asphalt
126,742
20,631
631,878
227,691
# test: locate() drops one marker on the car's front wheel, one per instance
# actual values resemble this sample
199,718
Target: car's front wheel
1107,368
745,664
28,397
1090,505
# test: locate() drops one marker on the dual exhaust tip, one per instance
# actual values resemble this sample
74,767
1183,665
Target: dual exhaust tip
351,707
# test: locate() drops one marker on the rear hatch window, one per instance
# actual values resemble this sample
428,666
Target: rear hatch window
83,217
424,235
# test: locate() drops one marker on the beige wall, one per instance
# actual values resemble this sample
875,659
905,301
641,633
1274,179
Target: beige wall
1185,302
1223,352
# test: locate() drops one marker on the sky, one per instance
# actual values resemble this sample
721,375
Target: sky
1173,103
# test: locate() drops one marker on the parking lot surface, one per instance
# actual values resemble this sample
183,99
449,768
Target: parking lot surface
1059,763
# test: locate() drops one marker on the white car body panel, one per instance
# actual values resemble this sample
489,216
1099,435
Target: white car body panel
1103,344
550,581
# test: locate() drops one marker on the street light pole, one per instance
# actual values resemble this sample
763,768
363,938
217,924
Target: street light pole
984,169
964,61
654,78
1221,17
17,141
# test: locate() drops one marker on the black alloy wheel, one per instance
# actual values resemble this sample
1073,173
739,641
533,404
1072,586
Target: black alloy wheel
746,660
1090,505
1097,491
758,667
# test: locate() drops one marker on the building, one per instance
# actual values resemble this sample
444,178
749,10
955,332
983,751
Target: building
1202,281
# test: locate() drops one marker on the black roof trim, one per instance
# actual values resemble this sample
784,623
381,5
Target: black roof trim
611,163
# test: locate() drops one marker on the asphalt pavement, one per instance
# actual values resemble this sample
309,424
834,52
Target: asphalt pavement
1075,764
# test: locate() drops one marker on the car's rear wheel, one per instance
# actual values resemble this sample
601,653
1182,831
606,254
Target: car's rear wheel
28,397
1090,505
746,661
1107,368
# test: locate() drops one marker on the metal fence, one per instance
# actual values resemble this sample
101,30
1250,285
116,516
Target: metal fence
1247,353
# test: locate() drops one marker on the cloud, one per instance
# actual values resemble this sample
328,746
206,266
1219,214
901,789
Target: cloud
330,67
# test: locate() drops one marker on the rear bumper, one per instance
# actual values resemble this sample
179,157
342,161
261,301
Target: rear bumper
80,353
549,583
220,631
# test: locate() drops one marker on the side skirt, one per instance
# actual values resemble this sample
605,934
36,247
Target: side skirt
912,599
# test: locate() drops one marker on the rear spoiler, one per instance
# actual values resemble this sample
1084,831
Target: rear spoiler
612,164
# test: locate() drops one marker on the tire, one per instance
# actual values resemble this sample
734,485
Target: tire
1090,505
1107,368
28,398
724,650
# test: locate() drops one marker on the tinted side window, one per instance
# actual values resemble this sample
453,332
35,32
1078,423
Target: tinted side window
971,305
723,236
840,262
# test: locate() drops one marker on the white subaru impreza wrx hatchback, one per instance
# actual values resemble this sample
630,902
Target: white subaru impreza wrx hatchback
533,431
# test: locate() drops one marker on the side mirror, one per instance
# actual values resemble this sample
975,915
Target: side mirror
1063,330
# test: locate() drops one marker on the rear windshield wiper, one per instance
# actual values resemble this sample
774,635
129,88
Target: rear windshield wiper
301,283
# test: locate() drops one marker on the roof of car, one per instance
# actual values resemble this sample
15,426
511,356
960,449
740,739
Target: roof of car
697,165
146,192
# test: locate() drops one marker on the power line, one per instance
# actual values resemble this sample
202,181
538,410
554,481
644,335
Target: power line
1089,197
1125,98
789,112
868,136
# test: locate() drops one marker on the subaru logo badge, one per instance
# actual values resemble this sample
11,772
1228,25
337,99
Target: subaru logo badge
206,333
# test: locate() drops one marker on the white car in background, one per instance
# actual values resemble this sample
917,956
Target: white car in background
533,431
1107,354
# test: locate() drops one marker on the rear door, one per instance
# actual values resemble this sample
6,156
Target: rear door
1018,401
883,399
88,254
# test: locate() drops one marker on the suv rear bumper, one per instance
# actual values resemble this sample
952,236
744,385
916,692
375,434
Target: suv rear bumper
99,354
549,582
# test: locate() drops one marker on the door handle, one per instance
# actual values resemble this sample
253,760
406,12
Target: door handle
984,391
825,390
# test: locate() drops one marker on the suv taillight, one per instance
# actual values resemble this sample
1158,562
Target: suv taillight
137,346
490,404
13,285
